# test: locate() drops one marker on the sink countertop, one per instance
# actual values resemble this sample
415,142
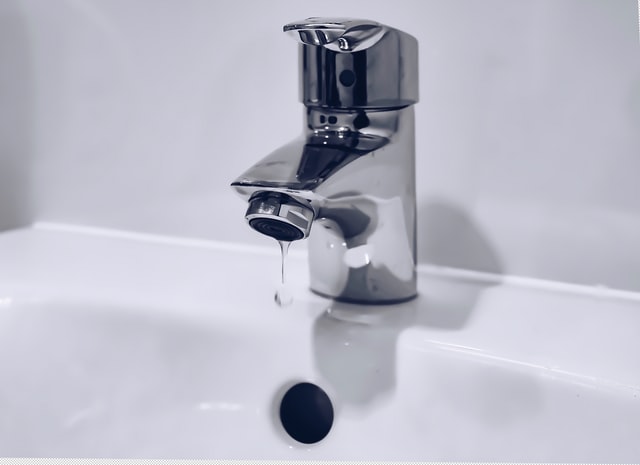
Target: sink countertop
587,331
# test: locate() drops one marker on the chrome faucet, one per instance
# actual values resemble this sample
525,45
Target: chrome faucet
351,175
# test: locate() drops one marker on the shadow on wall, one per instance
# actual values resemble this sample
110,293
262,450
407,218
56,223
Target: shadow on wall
449,237
355,346
15,118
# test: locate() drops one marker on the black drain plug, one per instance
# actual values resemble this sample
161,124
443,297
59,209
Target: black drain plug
306,413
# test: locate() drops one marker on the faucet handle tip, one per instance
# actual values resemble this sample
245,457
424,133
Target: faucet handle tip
336,34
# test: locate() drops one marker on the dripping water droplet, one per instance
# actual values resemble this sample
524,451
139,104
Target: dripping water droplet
283,296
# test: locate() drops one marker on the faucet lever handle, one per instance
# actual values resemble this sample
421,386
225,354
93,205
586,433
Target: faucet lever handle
337,34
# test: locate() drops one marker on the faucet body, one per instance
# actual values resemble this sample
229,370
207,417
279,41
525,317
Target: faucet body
348,182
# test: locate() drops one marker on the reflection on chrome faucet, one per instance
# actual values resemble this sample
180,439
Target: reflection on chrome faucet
351,175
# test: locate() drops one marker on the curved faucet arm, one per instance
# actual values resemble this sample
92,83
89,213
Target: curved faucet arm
306,162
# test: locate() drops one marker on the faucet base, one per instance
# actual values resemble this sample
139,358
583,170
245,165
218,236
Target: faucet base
363,250
349,300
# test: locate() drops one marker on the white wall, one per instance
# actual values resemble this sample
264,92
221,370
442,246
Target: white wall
136,114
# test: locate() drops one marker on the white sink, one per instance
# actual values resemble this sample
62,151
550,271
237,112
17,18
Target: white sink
119,345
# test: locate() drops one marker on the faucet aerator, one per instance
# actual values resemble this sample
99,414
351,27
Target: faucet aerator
278,215
277,229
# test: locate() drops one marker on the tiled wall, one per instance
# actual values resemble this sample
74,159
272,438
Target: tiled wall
137,115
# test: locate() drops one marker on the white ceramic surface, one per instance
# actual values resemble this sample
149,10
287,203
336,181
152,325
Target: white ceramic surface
129,346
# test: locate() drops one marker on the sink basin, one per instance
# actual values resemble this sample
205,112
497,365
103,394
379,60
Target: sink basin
134,346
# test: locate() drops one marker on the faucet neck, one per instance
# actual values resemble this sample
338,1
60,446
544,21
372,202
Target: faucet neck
367,122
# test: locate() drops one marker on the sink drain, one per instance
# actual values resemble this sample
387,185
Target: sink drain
306,413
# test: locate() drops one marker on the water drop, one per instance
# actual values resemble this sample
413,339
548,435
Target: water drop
283,296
